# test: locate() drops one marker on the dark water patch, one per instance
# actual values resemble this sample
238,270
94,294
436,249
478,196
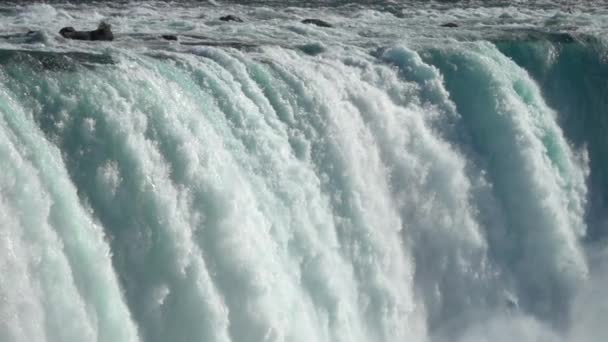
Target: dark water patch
312,49
535,35
228,44
49,60
29,37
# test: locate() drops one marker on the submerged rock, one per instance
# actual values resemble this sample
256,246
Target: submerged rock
50,60
35,37
449,25
169,37
317,22
29,37
231,17
103,32
312,49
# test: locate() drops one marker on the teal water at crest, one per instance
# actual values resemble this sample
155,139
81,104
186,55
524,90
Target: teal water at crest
386,179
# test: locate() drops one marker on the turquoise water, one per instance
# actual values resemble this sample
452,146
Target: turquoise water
383,180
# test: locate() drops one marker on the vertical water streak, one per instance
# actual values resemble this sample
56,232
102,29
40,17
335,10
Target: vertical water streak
538,180
67,259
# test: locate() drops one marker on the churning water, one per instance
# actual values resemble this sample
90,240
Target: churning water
387,179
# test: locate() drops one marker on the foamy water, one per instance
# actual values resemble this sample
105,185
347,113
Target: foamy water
386,179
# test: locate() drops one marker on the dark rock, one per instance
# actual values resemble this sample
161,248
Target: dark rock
169,37
317,22
231,17
449,25
103,32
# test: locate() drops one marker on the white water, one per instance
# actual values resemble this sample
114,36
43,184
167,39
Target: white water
424,191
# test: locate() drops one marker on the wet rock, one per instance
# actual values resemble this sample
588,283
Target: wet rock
231,17
169,37
103,32
317,22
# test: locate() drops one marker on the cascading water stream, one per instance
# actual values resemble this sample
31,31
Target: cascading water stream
422,191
